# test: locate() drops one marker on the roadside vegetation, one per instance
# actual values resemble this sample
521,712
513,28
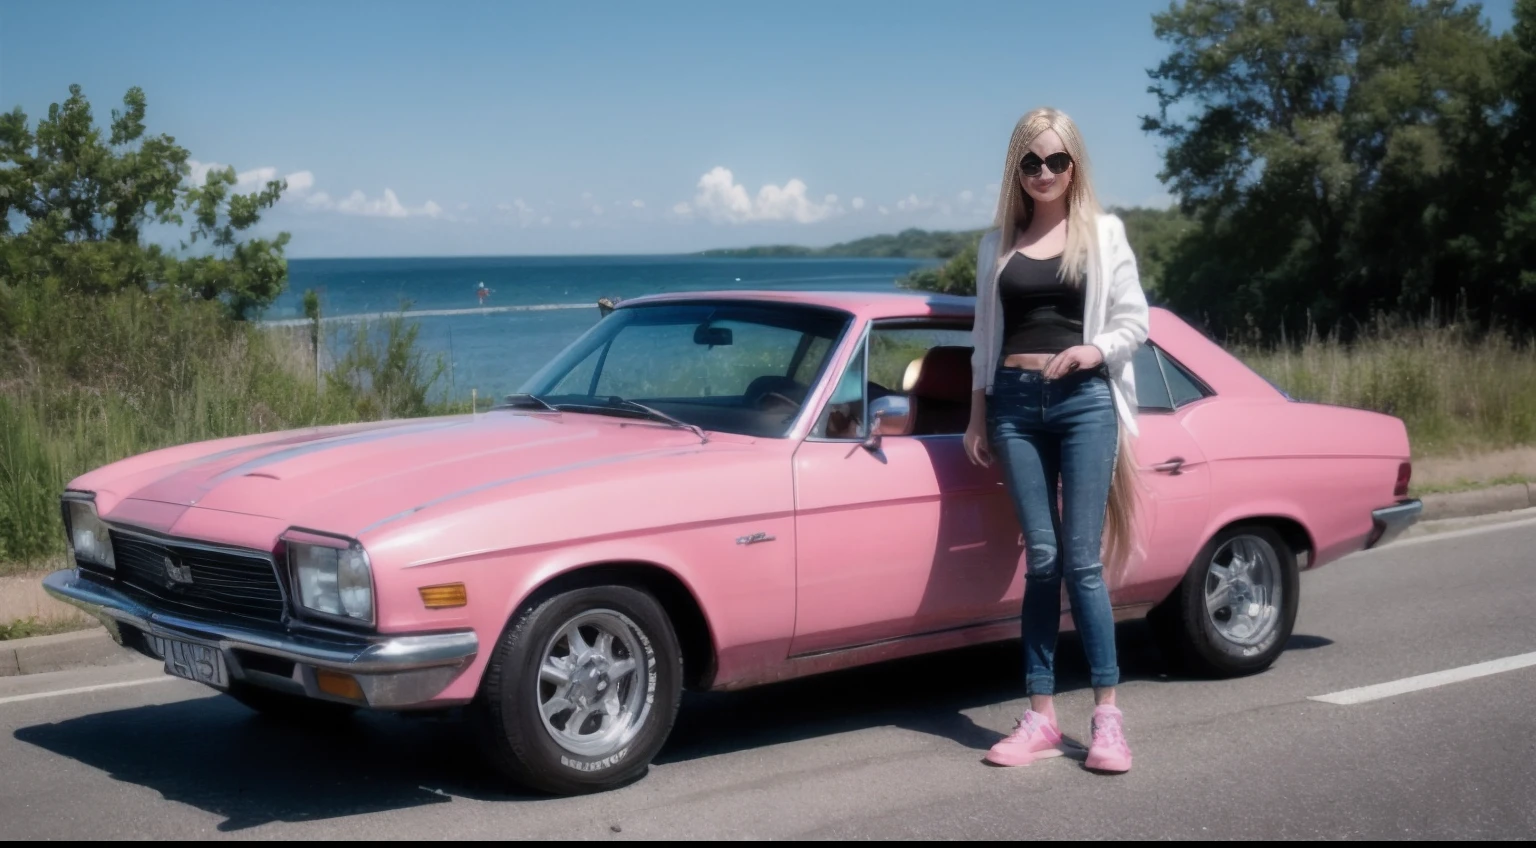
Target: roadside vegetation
111,345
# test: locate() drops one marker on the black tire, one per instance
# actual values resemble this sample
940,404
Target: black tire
1192,640
287,708
508,713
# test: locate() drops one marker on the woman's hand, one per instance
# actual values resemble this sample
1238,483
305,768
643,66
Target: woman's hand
976,444
1079,358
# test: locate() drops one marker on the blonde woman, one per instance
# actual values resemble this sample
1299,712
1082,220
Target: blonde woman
1059,312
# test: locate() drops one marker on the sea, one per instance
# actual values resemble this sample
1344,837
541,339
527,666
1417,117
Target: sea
535,305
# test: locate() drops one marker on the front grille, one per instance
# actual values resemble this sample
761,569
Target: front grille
223,582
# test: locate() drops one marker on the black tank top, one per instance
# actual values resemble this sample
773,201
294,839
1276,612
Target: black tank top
1041,312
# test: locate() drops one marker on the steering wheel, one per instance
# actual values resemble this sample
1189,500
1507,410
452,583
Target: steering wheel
779,398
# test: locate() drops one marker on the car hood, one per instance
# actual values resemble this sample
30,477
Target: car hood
346,479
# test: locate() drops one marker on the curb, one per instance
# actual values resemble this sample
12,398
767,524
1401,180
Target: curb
1478,501
37,654
95,646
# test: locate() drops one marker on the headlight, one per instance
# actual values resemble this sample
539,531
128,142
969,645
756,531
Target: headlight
333,581
88,538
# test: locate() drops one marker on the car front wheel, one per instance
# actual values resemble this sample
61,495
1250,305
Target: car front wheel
1236,607
582,690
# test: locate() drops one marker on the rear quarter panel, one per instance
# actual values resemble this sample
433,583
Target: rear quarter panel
1324,467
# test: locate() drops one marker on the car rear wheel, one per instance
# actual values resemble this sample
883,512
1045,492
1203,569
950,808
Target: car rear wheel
581,691
1236,607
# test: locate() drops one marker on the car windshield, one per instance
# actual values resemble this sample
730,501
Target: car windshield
727,367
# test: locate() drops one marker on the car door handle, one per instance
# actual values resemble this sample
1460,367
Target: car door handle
1171,467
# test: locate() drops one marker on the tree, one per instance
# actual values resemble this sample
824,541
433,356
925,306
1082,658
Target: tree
1518,232
1340,158
86,199
1154,235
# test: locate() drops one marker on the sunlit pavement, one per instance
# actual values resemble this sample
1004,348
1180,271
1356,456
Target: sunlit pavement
888,752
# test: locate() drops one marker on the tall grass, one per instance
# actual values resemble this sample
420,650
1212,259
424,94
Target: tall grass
87,381
1457,390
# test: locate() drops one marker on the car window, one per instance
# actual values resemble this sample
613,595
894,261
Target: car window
694,370
810,361
1151,390
843,417
890,354
729,367
892,350
1185,388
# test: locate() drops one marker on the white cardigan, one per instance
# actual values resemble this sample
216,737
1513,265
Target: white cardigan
1114,313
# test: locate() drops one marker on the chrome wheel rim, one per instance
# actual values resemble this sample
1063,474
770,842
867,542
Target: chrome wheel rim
1243,593
594,691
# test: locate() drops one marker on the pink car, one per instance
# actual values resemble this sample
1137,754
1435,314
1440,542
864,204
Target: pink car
707,490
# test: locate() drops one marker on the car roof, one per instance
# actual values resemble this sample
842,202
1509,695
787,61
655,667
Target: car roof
868,305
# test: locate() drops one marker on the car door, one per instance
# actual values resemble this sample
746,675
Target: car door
902,538
1173,501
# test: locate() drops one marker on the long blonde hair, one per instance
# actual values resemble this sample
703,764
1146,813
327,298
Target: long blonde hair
1015,208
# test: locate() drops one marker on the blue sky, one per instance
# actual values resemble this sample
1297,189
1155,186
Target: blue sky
457,128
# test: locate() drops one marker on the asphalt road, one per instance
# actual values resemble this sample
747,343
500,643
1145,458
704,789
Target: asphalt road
888,752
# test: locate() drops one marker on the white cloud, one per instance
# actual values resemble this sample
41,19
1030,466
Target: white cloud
638,204
386,206
586,196
200,170
912,203
256,178
884,211
597,209
721,198
545,220
463,207
519,209
858,203
300,182
575,225
682,209
967,196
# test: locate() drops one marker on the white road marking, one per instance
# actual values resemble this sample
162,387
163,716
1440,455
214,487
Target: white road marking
1349,697
15,699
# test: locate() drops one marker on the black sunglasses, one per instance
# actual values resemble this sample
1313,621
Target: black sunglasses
1057,162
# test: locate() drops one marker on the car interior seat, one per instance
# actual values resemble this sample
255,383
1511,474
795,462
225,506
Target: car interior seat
939,386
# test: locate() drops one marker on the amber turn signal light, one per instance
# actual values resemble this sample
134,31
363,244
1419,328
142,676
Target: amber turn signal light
338,684
444,596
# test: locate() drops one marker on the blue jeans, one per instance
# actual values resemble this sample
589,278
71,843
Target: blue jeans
1045,432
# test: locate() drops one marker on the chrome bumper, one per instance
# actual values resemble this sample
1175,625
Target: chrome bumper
1390,521
392,671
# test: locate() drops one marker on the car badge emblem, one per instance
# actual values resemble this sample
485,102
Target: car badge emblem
175,574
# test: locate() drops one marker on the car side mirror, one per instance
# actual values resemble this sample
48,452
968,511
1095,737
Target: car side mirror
873,441
892,415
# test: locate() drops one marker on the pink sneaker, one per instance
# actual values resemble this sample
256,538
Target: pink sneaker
1034,738
1109,751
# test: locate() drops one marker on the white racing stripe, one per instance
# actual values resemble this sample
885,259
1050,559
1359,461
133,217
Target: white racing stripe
1349,697
16,699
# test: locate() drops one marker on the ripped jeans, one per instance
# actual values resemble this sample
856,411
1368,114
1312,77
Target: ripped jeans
1065,430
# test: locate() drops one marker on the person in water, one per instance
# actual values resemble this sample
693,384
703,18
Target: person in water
483,293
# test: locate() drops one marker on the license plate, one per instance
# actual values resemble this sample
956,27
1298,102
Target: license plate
201,663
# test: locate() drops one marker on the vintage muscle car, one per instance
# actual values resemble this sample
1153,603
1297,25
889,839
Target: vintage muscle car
706,490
